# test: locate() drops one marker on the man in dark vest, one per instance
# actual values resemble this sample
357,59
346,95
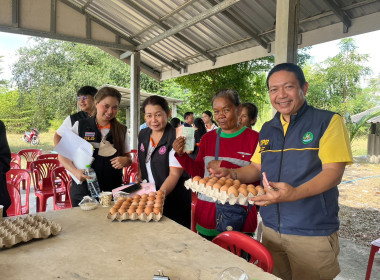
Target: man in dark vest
85,97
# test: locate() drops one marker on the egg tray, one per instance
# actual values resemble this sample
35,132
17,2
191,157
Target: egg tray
134,216
222,196
24,229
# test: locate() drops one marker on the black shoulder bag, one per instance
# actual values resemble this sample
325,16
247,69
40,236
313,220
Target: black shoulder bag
228,217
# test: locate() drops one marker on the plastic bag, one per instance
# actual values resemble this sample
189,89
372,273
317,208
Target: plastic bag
88,203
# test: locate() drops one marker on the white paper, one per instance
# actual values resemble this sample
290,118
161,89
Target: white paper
75,148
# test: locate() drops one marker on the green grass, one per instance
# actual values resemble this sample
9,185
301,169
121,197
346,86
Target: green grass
16,143
359,146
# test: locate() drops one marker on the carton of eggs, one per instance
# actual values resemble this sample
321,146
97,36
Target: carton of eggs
144,207
224,189
24,229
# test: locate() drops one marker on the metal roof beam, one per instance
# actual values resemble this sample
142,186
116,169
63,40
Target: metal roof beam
53,16
186,24
15,13
241,24
342,15
133,42
167,27
56,36
176,10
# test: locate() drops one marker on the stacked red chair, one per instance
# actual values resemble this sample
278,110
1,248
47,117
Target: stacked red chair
61,188
17,179
16,158
48,156
30,155
43,184
235,242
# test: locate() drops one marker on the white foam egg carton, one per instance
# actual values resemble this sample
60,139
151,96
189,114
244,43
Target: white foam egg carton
26,228
216,195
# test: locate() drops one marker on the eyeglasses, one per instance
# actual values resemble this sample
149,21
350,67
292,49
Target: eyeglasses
83,97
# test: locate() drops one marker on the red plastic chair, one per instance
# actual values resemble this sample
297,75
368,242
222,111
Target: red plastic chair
130,173
30,155
14,165
235,241
61,189
48,156
374,249
43,185
19,178
194,199
15,207
16,158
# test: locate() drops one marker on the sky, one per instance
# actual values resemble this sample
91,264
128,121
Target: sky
367,43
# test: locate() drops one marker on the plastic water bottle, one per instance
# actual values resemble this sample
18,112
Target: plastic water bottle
92,184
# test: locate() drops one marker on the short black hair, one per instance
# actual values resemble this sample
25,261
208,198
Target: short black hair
252,110
175,122
187,114
87,90
157,100
290,67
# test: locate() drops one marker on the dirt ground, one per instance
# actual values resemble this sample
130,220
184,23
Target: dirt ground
360,203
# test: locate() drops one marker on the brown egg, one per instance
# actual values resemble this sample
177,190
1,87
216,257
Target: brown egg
134,203
152,194
127,203
131,210
202,181
260,190
196,178
157,205
232,190
144,196
252,190
216,186
159,199
228,183
130,199
144,199
210,183
250,186
236,186
160,192
243,186
236,182
117,205
151,198
122,211
224,188
229,180
137,196
206,178
142,203
139,211
150,203
148,210
243,191
124,206
157,210
122,199
113,210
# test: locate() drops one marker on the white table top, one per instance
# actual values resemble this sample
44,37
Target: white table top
92,247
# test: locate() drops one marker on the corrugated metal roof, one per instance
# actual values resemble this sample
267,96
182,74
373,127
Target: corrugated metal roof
218,35
358,117
244,30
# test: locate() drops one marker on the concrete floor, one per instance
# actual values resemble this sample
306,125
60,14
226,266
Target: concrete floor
353,258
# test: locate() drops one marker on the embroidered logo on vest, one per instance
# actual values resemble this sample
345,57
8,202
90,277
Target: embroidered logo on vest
162,150
142,147
307,138
264,145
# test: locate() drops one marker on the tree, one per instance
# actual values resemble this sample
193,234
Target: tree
336,82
